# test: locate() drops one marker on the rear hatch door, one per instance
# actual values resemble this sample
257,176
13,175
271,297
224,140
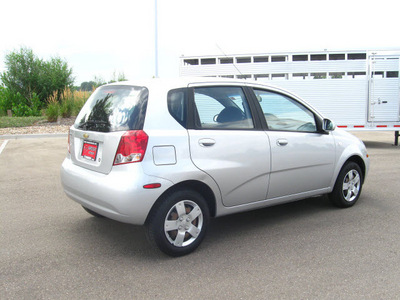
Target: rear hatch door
107,115
94,150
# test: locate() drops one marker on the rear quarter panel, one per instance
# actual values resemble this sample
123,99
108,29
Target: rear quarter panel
165,132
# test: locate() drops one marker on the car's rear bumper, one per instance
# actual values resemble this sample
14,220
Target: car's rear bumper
118,195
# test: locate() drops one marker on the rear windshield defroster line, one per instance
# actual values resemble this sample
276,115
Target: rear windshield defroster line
114,108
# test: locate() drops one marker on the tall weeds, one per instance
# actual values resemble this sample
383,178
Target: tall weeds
53,109
69,105
80,98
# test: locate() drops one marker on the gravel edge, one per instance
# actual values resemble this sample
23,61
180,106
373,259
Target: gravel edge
40,129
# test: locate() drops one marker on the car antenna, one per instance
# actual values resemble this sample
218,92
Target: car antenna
237,69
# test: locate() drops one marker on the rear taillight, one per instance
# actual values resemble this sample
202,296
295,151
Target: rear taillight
132,147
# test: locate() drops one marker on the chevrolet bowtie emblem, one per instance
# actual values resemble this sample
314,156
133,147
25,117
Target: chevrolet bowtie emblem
85,135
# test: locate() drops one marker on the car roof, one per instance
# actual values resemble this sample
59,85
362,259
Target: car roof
181,82
167,84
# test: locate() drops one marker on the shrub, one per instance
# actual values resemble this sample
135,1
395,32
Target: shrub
67,103
4,101
18,104
80,98
66,108
70,105
78,104
53,111
28,75
34,109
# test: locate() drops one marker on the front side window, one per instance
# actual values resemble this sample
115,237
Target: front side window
284,113
222,108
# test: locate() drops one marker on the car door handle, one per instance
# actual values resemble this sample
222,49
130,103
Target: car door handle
206,142
282,142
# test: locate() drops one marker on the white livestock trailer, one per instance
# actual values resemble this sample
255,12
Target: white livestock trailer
358,90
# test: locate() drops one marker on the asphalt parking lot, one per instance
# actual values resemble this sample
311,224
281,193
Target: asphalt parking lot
52,249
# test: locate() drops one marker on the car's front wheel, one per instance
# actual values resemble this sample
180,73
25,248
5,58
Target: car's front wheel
348,186
178,224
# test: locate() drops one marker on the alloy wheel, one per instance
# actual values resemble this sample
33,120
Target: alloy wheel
351,185
183,223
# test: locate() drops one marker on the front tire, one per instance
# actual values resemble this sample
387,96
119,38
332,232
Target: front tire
178,224
348,186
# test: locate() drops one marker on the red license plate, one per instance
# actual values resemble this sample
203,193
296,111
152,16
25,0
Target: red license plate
89,150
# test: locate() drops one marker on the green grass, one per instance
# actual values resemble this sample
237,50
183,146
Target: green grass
19,121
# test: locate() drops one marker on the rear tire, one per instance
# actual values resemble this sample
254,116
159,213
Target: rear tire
95,214
178,224
348,186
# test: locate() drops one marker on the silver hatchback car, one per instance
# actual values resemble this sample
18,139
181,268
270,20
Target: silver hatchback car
170,154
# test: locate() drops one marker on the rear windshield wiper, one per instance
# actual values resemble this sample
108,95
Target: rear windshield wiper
92,124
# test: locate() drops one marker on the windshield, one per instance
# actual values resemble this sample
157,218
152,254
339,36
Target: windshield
114,108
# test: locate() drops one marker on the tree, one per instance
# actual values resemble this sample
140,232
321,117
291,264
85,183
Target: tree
55,78
34,78
88,86
121,76
23,74
98,81
117,78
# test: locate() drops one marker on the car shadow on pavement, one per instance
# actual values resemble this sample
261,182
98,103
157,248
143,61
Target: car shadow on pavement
105,237
379,145
262,221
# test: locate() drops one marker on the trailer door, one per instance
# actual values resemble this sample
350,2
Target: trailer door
384,84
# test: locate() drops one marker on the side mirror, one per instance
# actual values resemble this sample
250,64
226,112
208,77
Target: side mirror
328,125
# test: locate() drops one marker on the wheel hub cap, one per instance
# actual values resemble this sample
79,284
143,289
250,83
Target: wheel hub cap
183,223
351,185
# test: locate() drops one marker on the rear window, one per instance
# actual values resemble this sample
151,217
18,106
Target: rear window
114,108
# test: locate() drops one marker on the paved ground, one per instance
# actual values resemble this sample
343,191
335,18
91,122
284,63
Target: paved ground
52,249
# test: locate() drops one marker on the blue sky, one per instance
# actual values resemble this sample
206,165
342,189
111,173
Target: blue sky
98,38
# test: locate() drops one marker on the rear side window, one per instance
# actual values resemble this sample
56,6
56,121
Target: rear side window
177,105
222,108
114,108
